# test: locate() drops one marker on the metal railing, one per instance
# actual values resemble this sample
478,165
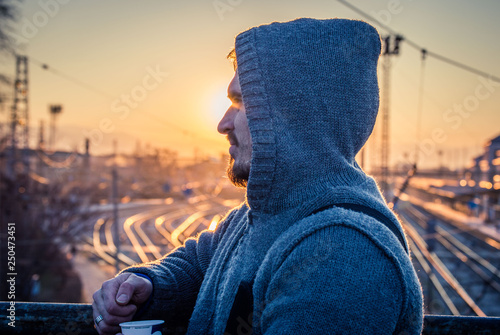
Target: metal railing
76,319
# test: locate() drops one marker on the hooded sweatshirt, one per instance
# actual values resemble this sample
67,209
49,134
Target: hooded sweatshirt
295,254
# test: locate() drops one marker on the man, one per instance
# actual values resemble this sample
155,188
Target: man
314,249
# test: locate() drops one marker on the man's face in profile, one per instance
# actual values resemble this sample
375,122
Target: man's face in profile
234,124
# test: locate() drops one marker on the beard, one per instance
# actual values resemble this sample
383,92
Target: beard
238,173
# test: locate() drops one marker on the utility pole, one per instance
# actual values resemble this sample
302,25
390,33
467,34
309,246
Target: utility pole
86,162
54,111
440,163
41,146
391,48
114,196
41,136
20,116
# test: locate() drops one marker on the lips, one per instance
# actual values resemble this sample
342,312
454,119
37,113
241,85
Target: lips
232,150
232,139
233,142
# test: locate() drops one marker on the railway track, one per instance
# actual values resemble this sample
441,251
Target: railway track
458,279
147,234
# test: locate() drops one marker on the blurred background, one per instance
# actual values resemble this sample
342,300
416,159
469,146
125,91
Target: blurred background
109,153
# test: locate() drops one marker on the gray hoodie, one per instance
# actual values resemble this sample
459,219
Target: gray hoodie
299,253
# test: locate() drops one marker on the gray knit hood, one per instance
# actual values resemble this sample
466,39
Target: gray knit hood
311,95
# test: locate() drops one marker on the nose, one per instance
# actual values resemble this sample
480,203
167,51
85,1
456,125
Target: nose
226,124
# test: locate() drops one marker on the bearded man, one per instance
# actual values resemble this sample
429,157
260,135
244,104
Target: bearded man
314,249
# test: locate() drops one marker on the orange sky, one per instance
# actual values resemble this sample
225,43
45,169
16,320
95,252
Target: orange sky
158,70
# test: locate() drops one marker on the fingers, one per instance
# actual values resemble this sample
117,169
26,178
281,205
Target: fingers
105,304
110,324
117,301
134,289
104,327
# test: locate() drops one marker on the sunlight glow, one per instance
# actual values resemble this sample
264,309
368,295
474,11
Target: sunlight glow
219,104
214,222
404,197
485,184
492,242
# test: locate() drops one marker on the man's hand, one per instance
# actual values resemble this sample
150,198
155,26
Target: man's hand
118,300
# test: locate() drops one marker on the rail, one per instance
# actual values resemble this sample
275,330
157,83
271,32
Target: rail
76,319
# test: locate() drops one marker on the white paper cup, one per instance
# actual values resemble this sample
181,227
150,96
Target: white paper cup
146,327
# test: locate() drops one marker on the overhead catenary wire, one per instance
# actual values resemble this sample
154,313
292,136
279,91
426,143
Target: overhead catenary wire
425,52
420,48
72,79
428,95
86,86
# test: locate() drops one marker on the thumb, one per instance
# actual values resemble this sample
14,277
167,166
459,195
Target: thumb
134,289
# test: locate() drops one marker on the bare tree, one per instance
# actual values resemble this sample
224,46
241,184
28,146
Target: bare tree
47,226
8,15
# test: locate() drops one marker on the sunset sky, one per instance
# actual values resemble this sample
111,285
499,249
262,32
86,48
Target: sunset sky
168,57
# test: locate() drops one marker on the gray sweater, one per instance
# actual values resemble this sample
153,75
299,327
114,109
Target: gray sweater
311,95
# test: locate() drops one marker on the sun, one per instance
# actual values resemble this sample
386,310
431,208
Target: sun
218,104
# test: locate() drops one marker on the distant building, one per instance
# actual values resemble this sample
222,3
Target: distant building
492,156
485,169
483,177
473,174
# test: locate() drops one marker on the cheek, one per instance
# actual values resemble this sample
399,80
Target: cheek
240,123
243,129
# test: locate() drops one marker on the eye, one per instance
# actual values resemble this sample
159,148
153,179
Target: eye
236,102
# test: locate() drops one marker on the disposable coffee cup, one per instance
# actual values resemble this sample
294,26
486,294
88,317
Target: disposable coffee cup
146,327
